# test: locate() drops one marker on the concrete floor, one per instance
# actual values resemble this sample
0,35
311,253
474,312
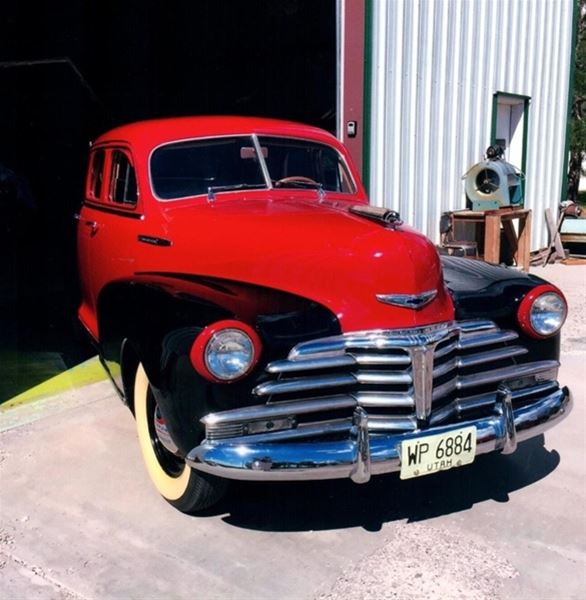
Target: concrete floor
79,518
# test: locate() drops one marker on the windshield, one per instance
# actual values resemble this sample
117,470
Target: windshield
197,167
300,163
191,168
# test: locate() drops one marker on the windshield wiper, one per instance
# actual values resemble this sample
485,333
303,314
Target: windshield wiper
212,189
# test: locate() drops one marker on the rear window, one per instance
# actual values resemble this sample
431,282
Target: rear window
123,181
96,174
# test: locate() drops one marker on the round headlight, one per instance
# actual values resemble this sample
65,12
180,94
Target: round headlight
543,311
225,351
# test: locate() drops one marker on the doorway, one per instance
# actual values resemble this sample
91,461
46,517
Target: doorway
74,70
509,130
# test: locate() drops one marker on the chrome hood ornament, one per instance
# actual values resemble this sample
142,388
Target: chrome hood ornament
413,301
379,214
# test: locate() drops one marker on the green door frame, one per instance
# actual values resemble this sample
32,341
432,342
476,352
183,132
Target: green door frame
526,104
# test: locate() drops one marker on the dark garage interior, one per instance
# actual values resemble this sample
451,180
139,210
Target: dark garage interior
69,71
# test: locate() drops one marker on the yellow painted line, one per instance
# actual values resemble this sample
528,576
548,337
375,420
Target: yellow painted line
90,371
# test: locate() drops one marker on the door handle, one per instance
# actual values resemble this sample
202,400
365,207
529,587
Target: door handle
93,225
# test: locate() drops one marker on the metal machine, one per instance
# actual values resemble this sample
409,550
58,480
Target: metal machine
493,183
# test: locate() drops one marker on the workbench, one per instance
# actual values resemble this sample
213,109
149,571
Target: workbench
491,222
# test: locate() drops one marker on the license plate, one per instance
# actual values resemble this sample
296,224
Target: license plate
432,453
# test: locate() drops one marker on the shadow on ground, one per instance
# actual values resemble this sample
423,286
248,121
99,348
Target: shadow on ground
323,505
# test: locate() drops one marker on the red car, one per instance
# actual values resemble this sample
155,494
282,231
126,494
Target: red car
263,322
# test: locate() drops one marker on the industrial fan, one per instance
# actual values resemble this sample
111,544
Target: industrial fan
493,183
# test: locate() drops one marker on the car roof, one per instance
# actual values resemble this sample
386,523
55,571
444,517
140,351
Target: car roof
158,131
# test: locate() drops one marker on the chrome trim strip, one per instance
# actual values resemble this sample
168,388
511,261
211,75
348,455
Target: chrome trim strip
301,384
397,339
332,362
236,418
513,372
383,377
505,408
468,403
361,469
441,352
535,389
378,423
383,339
496,375
338,459
304,430
479,358
384,400
477,325
422,373
381,359
328,362
490,356
473,341
446,367
278,409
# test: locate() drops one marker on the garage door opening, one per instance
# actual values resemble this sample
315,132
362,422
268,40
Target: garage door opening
122,62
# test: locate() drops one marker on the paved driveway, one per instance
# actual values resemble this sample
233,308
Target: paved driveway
79,518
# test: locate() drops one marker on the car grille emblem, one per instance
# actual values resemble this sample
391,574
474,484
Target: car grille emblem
414,301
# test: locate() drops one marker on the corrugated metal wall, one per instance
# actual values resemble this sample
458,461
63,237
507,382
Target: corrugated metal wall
435,67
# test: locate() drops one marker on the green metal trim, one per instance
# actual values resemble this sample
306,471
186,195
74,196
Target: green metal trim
510,95
495,97
571,87
526,105
493,121
366,149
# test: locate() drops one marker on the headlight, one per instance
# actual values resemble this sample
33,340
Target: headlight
226,351
543,311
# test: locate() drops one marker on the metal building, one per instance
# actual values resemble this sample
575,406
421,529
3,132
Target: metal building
443,79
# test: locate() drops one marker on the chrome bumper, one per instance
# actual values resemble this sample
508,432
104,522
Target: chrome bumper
363,454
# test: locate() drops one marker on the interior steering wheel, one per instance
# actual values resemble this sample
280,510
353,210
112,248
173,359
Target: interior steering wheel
294,178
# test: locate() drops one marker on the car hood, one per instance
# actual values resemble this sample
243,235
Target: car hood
316,250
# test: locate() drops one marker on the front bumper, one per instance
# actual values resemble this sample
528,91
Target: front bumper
364,454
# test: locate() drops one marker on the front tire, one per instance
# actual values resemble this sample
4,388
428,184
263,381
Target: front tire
183,487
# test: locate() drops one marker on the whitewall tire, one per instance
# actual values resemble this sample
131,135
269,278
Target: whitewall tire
182,486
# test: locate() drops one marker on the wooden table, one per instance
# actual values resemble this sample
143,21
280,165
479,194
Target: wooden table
492,220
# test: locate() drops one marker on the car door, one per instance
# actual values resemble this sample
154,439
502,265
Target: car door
86,229
107,229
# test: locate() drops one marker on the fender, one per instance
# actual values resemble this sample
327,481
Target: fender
156,323
482,290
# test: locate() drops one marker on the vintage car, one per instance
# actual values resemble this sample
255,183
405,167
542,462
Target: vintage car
263,322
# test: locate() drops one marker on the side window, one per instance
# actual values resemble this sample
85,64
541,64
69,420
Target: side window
96,174
123,180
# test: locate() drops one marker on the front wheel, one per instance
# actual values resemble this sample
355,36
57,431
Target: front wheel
184,488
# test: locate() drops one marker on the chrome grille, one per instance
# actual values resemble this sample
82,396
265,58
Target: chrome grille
404,379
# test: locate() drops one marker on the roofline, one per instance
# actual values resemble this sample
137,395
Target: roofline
195,126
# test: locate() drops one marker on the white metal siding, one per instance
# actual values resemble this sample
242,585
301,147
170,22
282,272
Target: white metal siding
436,65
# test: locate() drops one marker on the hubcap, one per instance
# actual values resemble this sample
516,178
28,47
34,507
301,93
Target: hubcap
161,441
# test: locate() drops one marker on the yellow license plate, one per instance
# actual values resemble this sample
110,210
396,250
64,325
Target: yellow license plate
432,453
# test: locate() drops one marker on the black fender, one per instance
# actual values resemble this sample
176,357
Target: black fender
481,290
156,325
